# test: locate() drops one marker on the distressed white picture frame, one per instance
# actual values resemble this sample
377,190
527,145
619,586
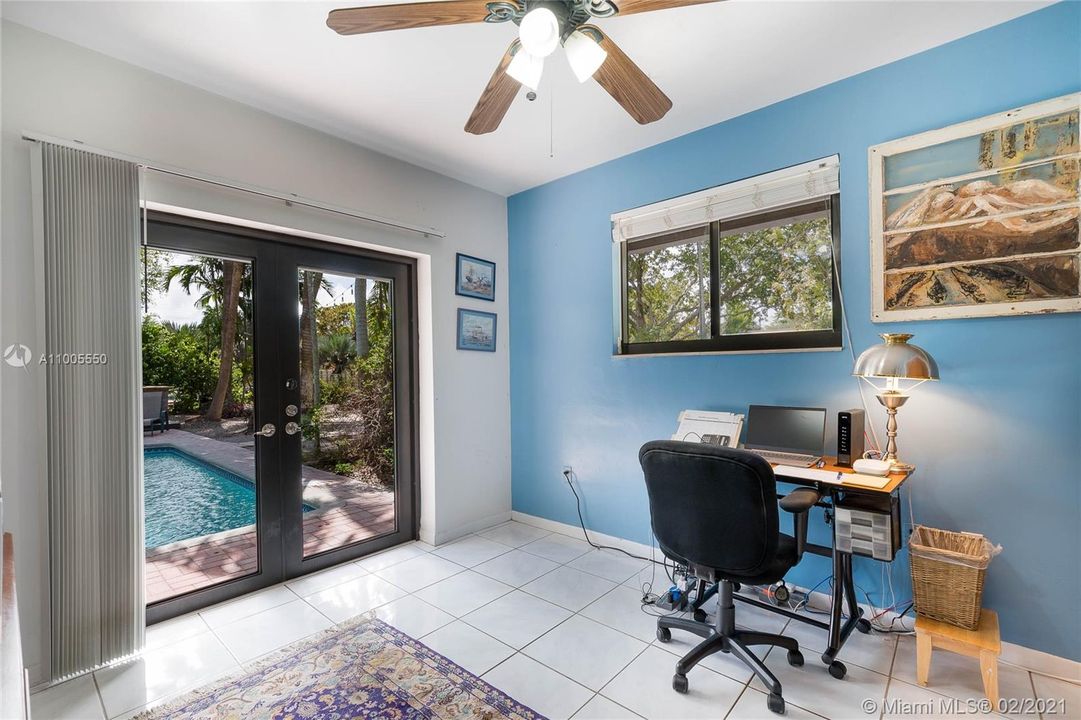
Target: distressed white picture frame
876,156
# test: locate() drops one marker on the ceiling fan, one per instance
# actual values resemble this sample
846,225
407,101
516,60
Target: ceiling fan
543,25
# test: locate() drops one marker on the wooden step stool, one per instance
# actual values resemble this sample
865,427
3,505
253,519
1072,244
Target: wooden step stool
982,643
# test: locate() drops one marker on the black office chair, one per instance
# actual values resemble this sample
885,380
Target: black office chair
714,511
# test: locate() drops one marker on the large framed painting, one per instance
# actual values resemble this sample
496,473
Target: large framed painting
476,330
979,218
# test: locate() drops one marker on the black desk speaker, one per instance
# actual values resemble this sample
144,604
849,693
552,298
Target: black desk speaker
850,430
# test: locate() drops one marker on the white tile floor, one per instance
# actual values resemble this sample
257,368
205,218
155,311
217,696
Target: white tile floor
547,620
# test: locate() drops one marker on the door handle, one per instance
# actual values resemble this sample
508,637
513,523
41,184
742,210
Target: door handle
267,430
291,428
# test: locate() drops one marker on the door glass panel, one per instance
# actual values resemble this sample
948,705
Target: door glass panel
199,469
347,409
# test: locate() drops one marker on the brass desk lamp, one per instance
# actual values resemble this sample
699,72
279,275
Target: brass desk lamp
895,361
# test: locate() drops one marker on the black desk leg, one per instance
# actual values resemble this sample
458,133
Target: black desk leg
836,600
844,591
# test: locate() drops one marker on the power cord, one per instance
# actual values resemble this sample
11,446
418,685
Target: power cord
582,523
649,597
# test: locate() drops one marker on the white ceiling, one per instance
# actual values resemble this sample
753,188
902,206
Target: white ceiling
408,93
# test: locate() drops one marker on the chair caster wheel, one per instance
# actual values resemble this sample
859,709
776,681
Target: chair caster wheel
795,658
679,683
838,669
775,703
700,615
863,625
664,634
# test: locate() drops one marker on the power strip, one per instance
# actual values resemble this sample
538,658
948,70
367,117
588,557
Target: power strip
768,593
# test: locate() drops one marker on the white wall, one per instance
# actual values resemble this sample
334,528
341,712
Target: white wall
59,89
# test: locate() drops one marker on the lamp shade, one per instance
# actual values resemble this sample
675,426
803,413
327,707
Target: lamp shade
539,32
526,68
896,358
584,55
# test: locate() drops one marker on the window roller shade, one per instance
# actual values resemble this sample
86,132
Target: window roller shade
781,188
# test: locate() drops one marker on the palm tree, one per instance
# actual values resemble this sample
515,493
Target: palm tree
338,351
221,282
311,282
360,298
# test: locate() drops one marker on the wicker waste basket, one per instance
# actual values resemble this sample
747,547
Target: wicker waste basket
947,574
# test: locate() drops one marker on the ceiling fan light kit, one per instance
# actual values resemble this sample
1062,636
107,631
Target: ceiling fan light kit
584,54
526,68
539,32
542,26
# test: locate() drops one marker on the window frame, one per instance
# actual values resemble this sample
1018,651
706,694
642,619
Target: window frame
781,341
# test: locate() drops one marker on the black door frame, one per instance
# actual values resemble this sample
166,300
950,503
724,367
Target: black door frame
291,260
275,258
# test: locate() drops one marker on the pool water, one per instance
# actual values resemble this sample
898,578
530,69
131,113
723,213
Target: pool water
185,497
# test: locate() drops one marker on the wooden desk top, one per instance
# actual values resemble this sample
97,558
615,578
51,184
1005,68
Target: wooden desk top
896,479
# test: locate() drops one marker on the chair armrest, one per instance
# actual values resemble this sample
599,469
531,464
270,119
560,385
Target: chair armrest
799,502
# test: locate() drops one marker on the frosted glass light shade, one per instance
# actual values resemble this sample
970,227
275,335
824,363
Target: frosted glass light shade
539,32
526,68
584,55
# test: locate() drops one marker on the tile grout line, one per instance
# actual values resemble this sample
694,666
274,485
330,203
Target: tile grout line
101,698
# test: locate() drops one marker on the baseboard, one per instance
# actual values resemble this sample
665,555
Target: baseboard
1040,662
1019,655
446,536
575,532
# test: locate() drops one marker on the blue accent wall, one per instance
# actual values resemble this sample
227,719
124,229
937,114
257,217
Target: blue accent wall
997,442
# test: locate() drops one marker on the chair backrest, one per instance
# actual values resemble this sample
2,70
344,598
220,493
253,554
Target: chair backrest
152,401
711,506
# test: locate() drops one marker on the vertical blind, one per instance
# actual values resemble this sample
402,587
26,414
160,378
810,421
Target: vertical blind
89,235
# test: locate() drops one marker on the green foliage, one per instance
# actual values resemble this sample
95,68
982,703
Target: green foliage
338,351
153,265
668,292
773,278
207,275
309,423
363,388
203,278
177,357
335,319
335,391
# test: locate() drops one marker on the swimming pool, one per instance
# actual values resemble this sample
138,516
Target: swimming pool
185,497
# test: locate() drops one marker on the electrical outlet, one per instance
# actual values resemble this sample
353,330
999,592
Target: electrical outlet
568,469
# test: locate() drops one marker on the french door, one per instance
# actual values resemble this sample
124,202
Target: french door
279,409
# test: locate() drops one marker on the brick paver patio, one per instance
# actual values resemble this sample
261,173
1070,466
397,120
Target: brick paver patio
345,512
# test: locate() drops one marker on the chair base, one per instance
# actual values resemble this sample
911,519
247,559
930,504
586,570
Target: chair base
725,637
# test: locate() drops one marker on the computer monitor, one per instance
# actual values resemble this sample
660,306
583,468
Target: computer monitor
786,429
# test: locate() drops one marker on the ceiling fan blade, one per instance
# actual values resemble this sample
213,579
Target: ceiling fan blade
630,87
496,98
630,7
376,18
